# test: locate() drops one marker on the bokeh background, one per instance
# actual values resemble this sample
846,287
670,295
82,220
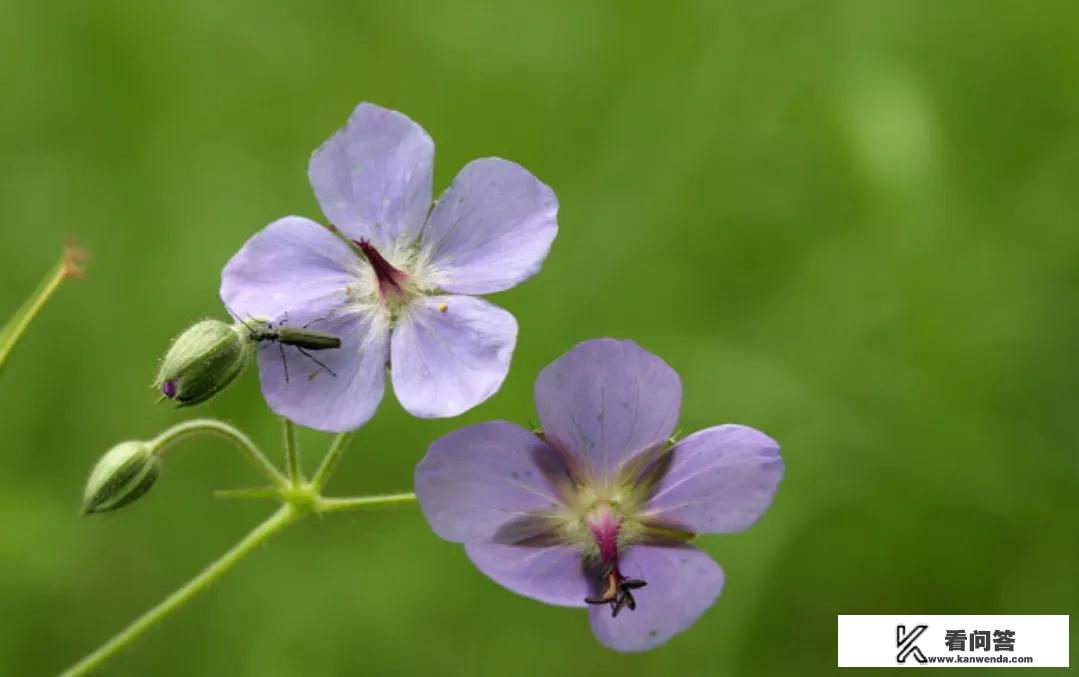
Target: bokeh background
852,225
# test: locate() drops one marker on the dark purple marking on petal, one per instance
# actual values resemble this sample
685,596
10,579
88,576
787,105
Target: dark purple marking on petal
491,482
534,531
721,479
607,401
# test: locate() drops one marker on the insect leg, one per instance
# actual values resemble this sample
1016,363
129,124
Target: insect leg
284,362
316,361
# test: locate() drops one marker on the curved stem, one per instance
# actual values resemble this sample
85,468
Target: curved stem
209,426
292,455
278,521
324,505
329,461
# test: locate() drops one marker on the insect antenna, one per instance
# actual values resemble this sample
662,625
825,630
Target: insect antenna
239,318
318,319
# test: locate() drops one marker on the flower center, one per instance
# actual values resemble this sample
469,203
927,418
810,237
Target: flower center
394,286
615,589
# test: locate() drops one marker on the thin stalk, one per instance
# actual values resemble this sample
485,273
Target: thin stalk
284,516
325,505
329,461
292,455
209,426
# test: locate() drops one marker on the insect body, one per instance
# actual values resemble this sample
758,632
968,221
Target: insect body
297,337
300,338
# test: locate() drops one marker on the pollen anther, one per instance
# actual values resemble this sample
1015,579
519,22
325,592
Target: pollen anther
616,591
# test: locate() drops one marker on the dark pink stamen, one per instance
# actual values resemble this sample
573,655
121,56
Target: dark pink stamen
390,280
615,589
605,532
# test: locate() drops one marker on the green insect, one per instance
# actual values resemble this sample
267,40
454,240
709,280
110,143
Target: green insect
301,338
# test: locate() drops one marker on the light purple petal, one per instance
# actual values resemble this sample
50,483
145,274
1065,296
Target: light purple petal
373,177
720,479
339,397
607,400
292,264
449,353
682,583
491,229
551,574
476,480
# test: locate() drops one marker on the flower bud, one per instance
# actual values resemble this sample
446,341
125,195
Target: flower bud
124,473
202,361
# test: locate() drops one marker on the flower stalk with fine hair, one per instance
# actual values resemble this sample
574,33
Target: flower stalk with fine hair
597,510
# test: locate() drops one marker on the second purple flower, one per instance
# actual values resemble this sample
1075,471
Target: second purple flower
402,294
597,511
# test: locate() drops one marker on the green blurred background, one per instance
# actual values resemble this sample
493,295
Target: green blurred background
852,225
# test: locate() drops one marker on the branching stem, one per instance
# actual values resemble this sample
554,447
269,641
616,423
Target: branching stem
298,499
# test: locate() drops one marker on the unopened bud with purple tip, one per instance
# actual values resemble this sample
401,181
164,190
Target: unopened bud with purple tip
203,360
168,389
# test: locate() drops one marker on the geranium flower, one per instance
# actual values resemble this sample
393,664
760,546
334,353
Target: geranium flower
597,510
398,288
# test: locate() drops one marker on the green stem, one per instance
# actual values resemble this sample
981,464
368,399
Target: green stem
292,455
325,505
209,426
16,326
329,461
285,516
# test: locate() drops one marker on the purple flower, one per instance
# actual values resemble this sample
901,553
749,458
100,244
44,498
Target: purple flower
597,510
402,292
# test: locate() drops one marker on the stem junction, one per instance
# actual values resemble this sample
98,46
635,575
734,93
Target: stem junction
298,498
